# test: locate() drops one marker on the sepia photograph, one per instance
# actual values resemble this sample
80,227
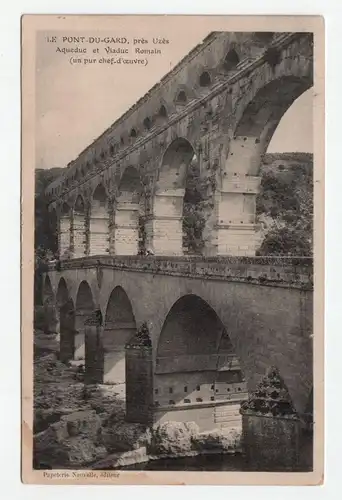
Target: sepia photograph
173,210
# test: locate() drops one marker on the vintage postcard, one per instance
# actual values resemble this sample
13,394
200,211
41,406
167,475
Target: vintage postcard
172,249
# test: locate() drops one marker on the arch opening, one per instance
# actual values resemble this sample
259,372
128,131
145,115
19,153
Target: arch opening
197,370
119,327
48,295
79,225
84,308
147,123
162,111
231,60
165,229
126,241
204,79
181,97
65,232
99,223
240,181
288,170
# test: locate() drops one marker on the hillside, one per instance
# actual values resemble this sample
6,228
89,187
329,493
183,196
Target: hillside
285,204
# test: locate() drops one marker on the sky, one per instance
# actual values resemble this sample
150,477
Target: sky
75,104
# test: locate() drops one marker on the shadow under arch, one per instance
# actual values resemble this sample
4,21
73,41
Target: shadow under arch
48,294
99,222
84,307
65,231
166,235
62,295
126,241
197,373
119,327
79,227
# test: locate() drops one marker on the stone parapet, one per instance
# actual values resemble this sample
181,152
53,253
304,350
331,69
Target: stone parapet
296,272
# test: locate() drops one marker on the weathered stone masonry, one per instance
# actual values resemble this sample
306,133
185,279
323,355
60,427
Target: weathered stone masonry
217,321
249,297
219,107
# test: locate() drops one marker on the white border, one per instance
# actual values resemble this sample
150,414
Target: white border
10,249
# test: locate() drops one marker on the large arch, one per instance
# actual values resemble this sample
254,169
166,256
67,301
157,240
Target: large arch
255,125
165,231
65,232
79,228
126,241
119,327
99,223
85,306
48,294
196,366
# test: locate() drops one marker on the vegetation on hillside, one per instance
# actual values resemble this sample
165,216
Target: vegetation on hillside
285,205
193,210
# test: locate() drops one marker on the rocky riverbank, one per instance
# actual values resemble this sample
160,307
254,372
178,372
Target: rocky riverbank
78,426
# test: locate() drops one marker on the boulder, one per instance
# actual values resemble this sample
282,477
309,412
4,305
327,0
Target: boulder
124,436
218,440
74,441
172,438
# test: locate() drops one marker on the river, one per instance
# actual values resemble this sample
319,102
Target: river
219,462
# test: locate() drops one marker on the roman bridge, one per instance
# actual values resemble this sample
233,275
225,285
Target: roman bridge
188,153
204,315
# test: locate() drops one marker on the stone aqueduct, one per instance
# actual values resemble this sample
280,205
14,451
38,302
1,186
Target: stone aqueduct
219,108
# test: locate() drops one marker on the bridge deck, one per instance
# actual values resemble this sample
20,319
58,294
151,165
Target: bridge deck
284,271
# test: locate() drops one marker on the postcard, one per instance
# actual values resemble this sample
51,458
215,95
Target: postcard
172,249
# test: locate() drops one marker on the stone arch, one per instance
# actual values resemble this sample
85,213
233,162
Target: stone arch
255,125
127,213
48,294
62,295
162,111
79,227
165,231
196,365
133,133
181,98
147,123
85,306
65,232
161,114
204,79
231,60
263,113
99,222
119,327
